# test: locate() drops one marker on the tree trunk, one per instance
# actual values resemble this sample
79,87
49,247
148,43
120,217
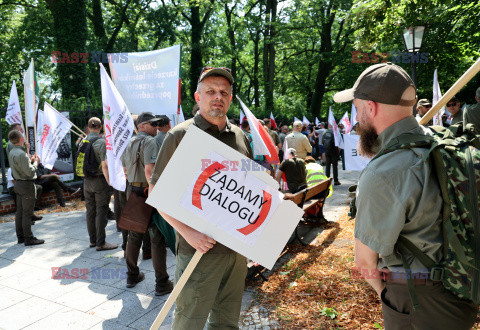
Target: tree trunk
196,54
231,37
70,23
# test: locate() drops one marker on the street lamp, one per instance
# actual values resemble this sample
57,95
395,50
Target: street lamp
413,37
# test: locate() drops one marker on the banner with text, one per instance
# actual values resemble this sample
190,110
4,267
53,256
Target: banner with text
149,81
353,161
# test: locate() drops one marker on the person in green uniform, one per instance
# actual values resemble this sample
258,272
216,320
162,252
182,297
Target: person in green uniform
24,173
215,288
138,160
163,126
96,189
472,112
398,195
454,106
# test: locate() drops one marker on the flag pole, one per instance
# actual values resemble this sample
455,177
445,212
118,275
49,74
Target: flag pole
34,110
176,290
25,129
462,81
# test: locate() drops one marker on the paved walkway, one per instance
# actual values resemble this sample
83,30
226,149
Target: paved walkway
31,299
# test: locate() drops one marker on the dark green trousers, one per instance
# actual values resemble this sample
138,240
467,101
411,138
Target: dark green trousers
97,197
26,193
213,291
439,308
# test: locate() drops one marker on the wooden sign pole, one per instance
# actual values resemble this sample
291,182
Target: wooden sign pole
462,81
176,290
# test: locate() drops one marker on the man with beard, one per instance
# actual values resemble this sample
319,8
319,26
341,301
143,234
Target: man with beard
215,288
398,195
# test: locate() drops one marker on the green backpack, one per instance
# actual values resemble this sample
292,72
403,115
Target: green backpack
455,154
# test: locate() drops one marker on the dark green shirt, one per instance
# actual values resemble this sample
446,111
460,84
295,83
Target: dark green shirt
148,155
22,168
231,135
398,194
295,172
472,115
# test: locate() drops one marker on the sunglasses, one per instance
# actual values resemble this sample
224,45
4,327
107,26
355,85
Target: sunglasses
451,104
154,124
428,106
209,68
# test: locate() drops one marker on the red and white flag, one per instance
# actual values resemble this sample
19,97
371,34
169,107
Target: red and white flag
272,121
242,117
336,131
346,123
262,142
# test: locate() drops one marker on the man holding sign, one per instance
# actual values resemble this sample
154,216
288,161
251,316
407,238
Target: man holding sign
215,287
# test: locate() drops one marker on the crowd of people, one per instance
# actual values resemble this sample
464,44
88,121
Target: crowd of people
396,196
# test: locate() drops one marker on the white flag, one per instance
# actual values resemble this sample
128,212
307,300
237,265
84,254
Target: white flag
118,129
437,95
296,119
55,127
40,121
346,123
353,116
305,121
14,114
317,122
336,131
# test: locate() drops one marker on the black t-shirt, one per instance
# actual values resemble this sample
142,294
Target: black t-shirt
295,172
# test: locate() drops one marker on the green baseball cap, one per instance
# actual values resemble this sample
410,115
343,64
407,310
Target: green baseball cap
383,83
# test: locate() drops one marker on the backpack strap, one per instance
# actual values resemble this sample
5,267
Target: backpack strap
407,141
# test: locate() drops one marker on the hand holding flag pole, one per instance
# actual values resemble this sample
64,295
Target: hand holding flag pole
462,81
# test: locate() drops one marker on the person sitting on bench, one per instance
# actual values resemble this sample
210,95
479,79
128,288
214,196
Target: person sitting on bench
295,172
50,181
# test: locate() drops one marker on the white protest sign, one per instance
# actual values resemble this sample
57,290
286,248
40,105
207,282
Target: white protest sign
353,161
227,196
148,81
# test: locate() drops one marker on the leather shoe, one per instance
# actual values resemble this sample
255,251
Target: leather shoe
36,218
107,246
34,241
337,183
161,290
147,255
21,240
93,245
131,282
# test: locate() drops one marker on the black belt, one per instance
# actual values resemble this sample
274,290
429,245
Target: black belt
139,184
401,278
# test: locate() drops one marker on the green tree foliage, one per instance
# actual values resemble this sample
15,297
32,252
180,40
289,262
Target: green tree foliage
287,56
